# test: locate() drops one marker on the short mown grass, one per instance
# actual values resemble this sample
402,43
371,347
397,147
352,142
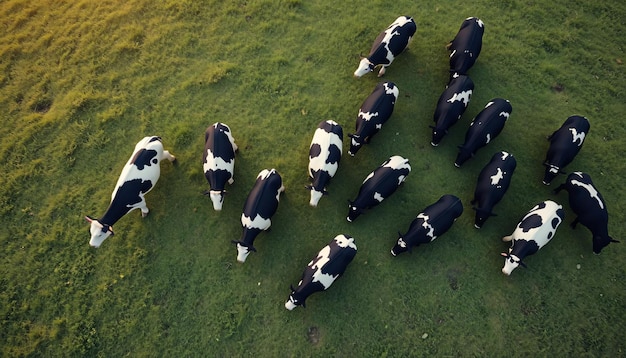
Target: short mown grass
81,82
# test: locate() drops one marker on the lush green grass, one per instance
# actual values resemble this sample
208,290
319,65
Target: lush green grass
82,81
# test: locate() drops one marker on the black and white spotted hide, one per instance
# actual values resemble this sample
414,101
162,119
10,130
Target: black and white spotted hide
218,161
327,266
260,206
484,128
451,105
532,233
324,156
589,207
389,44
138,177
374,112
432,222
493,182
466,46
379,184
565,143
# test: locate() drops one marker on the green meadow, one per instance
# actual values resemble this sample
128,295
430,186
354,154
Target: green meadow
82,81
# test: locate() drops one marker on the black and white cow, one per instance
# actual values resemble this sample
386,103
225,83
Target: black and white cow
565,143
431,223
379,184
138,177
484,128
218,161
328,265
590,208
374,112
534,231
389,44
466,46
258,210
324,156
451,106
493,181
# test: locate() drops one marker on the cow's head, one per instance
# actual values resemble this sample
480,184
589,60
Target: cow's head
438,135
463,156
551,172
217,197
293,301
400,247
481,216
243,251
316,195
365,67
355,144
600,243
353,212
99,232
511,262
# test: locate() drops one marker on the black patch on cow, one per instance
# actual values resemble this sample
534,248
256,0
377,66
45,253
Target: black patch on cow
315,150
334,154
541,205
154,139
144,157
531,222
125,198
555,222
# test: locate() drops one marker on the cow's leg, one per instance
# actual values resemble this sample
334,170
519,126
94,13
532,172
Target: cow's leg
143,207
383,68
558,189
231,181
574,223
168,156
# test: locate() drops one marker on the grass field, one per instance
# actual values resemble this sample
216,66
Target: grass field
82,81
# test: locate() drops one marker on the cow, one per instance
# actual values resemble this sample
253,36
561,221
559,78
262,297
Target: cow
431,223
379,184
328,265
138,177
484,128
389,44
324,156
493,181
451,106
258,210
218,161
565,143
590,208
533,232
374,112
466,45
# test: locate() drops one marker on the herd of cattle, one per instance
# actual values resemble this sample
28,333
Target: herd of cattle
534,230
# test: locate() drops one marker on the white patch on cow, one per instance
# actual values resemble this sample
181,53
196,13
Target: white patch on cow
368,177
489,104
265,173
495,179
401,243
452,53
461,97
504,156
257,223
323,257
543,234
593,193
217,163
426,225
367,116
480,22
344,241
488,138
401,179
392,90
397,162
577,136
379,125
378,197
505,115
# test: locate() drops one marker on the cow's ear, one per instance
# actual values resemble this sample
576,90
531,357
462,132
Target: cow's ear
521,263
234,242
88,218
292,289
225,192
251,248
206,192
324,192
613,240
308,187
504,254
493,214
431,127
111,230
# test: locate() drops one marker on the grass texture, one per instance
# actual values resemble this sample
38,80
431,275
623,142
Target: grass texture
82,81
